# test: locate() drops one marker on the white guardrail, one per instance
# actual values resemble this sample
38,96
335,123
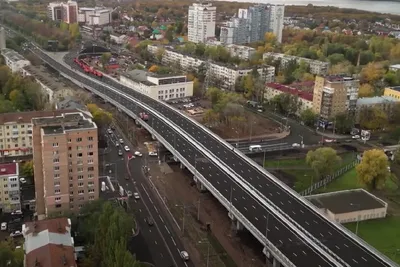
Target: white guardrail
258,194
274,251
244,221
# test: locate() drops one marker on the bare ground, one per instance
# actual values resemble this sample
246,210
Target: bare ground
177,190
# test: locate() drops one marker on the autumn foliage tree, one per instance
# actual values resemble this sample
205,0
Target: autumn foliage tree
323,161
366,90
372,172
100,116
153,68
373,118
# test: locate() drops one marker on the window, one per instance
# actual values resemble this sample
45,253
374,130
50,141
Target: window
14,185
80,184
90,161
58,199
69,148
91,191
56,184
6,185
90,146
70,170
71,193
90,169
57,191
81,192
80,169
80,177
79,139
90,183
56,175
91,197
80,205
55,144
71,199
56,168
55,152
58,205
90,176
90,138
79,155
90,154
71,185
78,148
81,198
69,140
79,162
56,160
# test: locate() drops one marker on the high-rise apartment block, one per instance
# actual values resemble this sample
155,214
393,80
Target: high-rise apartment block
251,24
65,156
2,38
201,22
66,12
9,187
335,95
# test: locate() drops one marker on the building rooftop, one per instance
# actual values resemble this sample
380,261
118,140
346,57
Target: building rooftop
290,90
12,55
347,201
396,88
64,122
339,78
375,100
8,169
26,117
48,243
396,66
139,76
71,104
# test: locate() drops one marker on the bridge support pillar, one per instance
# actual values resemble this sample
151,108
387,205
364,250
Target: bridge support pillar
239,226
153,137
181,166
176,159
276,263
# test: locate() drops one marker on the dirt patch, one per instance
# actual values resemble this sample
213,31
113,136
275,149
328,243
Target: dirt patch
178,191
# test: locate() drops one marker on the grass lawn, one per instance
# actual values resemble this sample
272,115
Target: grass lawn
303,177
383,234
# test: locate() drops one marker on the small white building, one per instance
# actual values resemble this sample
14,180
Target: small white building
14,60
94,15
395,67
160,87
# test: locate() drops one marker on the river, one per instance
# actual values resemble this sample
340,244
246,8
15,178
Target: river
373,6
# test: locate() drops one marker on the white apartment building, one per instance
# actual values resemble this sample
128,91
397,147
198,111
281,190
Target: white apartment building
305,98
9,187
227,74
201,22
66,12
14,60
160,87
94,15
240,51
276,16
317,67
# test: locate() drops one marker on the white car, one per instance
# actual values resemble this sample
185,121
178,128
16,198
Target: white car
22,180
3,226
16,212
356,136
295,145
121,140
116,144
127,149
109,131
136,195
153,154
16,234
129,193
137,153
184,255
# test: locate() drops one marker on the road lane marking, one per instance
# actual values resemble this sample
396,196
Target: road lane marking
156,209
166,228
162,256
140,210
161,218
173,241
155,242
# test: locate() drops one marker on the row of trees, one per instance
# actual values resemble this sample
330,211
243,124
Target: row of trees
106,231
101,117
372,171
20,93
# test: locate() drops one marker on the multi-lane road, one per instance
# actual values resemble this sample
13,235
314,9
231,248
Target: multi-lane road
292,244
163,242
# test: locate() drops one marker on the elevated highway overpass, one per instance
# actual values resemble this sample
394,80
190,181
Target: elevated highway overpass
298,234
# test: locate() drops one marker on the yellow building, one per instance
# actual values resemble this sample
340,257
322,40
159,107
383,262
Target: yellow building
392,92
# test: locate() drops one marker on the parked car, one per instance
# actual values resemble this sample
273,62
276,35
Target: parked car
16,212
3,226
137,153
295,145
121,140
129,193
16,234
22,180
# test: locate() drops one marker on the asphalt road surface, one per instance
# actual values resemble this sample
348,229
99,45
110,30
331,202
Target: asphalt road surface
288,242
163,243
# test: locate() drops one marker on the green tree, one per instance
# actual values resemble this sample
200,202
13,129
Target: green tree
6,105
286,104
160,53
10,257
308,117
214,94
323,161
373,118
27,169
366,90
100,116
343,123
105,58
372,171
169,35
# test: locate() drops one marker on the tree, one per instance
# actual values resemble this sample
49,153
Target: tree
366,90
343,123
9,256
287,104
371,73
100,116
373,118
323,161
372,171
169,35
214,94
27,169
160,53
105,58
153,68
308,117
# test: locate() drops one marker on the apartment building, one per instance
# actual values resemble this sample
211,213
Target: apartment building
94,16
392,92
235,31
49,243
66,12
16,131
9,187
276,16
384,103
225,73
2,38
316,66
14,60
201,22
305,98
241,51
161,87
335,94
65,155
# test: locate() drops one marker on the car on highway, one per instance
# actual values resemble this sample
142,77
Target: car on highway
129,193
109,131
136,195
149,221
127,149
295,145
116,144
121,140
120,152
137,153
16,234
3,226
184,255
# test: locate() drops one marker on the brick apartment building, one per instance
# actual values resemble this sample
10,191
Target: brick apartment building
65,155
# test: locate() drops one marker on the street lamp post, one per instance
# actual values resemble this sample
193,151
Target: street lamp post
358,217
208,250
